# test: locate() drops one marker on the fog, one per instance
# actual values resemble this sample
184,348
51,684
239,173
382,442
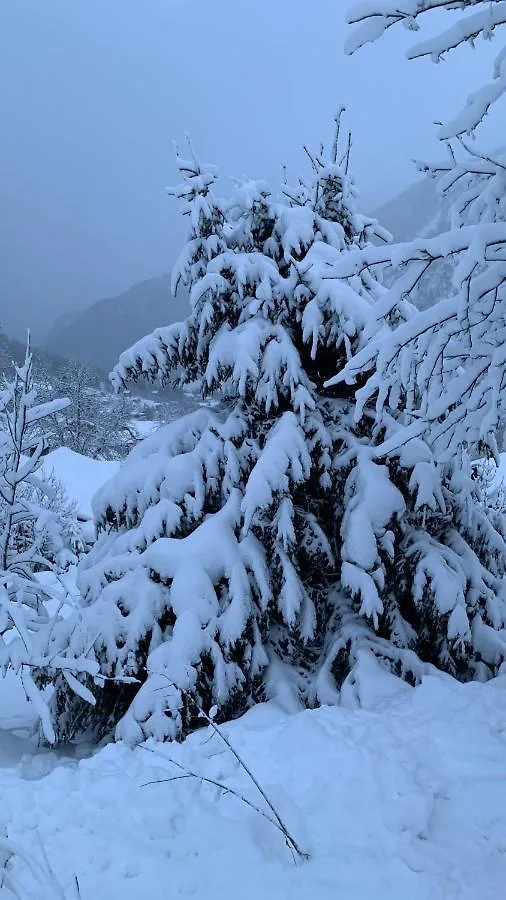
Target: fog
94,91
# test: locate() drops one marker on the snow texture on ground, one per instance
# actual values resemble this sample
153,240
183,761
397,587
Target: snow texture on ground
402,798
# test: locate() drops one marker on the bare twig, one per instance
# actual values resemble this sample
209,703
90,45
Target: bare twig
187,773
42,872
291,842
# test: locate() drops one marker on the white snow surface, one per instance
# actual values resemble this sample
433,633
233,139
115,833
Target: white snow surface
499,473
143,427
403,797
80,475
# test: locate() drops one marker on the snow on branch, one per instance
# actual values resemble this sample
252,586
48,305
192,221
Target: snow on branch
375,17
445,365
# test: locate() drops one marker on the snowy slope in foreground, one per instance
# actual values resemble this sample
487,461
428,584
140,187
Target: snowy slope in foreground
404,800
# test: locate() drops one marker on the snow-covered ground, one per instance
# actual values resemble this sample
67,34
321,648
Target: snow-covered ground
405,798
80,475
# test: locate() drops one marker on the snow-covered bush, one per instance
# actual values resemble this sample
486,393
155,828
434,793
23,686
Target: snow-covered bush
423,551
33,538
55,530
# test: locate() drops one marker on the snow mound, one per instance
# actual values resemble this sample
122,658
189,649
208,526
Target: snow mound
80,475
404,800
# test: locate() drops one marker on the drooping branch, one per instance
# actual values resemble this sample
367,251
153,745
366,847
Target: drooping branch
375,17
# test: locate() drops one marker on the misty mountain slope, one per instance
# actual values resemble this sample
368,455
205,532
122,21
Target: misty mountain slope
100,333
415,211
419,211
46,362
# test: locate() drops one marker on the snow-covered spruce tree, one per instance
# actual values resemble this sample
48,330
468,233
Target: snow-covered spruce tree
431,578
211,574
32,539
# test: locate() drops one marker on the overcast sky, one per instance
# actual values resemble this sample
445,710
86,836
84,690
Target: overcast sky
93,92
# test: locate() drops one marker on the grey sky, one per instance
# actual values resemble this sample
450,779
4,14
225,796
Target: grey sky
93,91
